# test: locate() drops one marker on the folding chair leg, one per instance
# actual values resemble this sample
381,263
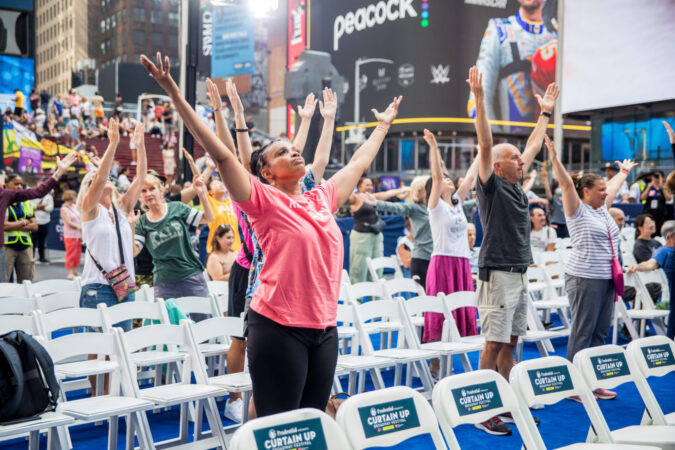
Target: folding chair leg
131,430
112,432
183,433
408,374
376,376
464,358
425,375
216,425
246,395
397,374
337,385
142,427
519,351
543,349
197,418
362,381
351,382
34,440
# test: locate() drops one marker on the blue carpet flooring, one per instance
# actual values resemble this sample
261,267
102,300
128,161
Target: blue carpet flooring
561,424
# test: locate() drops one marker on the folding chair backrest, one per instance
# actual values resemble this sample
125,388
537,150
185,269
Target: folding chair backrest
305,428
344,278
53,302
554,271
13,290
121,312
199,305
48,287
551,379
628,259
17,305
373,289
25,322
654,276
217,327
345,314
383,262
461,299
144,294
69,318
544,258
654,355
387,417
565,255
403,287
219,288
386,311
157,335
416,306
608,366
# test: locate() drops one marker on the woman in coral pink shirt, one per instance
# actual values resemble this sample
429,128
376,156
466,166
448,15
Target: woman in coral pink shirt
292,335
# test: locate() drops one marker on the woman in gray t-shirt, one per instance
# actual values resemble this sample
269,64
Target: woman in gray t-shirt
595,240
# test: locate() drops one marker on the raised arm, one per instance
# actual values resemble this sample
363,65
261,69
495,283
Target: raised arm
130,198
485,167
91,199
200,187
43,188
536,139
615,183
306,113
386,195
188,194
243,138
436,170
547,184
570,198
235,177
222,131
469,179
529,184
328,109
349,175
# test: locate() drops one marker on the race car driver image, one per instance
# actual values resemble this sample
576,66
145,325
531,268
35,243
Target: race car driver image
505,60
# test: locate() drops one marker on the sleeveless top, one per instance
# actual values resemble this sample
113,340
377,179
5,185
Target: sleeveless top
364,217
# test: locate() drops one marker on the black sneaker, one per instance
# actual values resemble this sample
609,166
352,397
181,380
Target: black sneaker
508,418
495,426
45,261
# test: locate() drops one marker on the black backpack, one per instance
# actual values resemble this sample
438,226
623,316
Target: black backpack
28,385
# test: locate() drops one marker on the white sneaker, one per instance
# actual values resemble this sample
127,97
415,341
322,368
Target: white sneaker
235,410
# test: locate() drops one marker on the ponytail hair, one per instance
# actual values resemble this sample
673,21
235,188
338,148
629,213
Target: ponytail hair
588,180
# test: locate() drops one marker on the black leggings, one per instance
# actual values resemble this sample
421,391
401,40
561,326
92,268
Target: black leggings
290,367
419,267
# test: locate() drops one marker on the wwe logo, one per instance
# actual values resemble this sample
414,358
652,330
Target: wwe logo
381,72
439,74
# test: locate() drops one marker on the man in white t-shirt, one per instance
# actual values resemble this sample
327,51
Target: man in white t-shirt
542,237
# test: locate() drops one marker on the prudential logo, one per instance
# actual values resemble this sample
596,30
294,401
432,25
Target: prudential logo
370,16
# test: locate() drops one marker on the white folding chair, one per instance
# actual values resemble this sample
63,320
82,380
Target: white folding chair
201,336
543,258
144,294
181,393
475,397
402,349
456,300
374,290
51,421
417,306
103,407
388,417
606,367
17,305
551,380
403,287
653,356
383,262
25,322
48,287
306,428
644,309
221,290
61,300
14,290
344,277
205,306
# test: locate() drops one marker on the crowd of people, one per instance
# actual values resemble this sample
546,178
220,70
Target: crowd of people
272,234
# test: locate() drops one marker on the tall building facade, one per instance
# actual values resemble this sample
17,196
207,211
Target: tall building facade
122,30
62,39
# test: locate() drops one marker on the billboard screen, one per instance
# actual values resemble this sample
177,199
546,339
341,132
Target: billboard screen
425,49
15,73
233,41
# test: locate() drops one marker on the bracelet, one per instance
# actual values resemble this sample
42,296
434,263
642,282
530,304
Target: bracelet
241,130
625,172
546,114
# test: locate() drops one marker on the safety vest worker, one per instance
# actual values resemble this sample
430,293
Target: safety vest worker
16,213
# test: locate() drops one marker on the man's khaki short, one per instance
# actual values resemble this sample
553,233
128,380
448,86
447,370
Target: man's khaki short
502,306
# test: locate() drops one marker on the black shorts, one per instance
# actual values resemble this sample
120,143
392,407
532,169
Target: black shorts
237,285
18,111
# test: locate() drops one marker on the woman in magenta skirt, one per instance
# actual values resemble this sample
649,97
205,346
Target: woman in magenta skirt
449,268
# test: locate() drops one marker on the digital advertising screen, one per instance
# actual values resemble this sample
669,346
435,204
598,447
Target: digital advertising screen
15,73
423,49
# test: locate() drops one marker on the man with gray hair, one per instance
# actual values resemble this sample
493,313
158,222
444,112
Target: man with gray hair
663,257
505,251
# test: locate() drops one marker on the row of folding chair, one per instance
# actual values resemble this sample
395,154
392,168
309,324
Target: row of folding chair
27,289
644,310
389,417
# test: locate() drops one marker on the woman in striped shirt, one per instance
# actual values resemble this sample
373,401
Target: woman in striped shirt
595,240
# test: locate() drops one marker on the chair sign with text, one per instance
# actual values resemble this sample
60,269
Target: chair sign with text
550,379
477,398
301,435
658,356
389,417
610,366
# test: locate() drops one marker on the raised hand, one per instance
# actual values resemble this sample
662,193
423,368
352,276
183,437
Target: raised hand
627,165
307,111
669,130
161,73
233,95
328,107
138,138
132,218
547,103
388,116
533,174
63,164
198,185
430,138
114,131
475,81
214,95
550,145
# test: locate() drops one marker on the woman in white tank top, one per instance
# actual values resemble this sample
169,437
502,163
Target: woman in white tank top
101,206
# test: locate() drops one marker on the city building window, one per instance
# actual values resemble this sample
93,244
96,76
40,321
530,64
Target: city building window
173,41
107,23
139,15
103,48
157,39
173,19
113,21
156,17
119,17
139,37
124,15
